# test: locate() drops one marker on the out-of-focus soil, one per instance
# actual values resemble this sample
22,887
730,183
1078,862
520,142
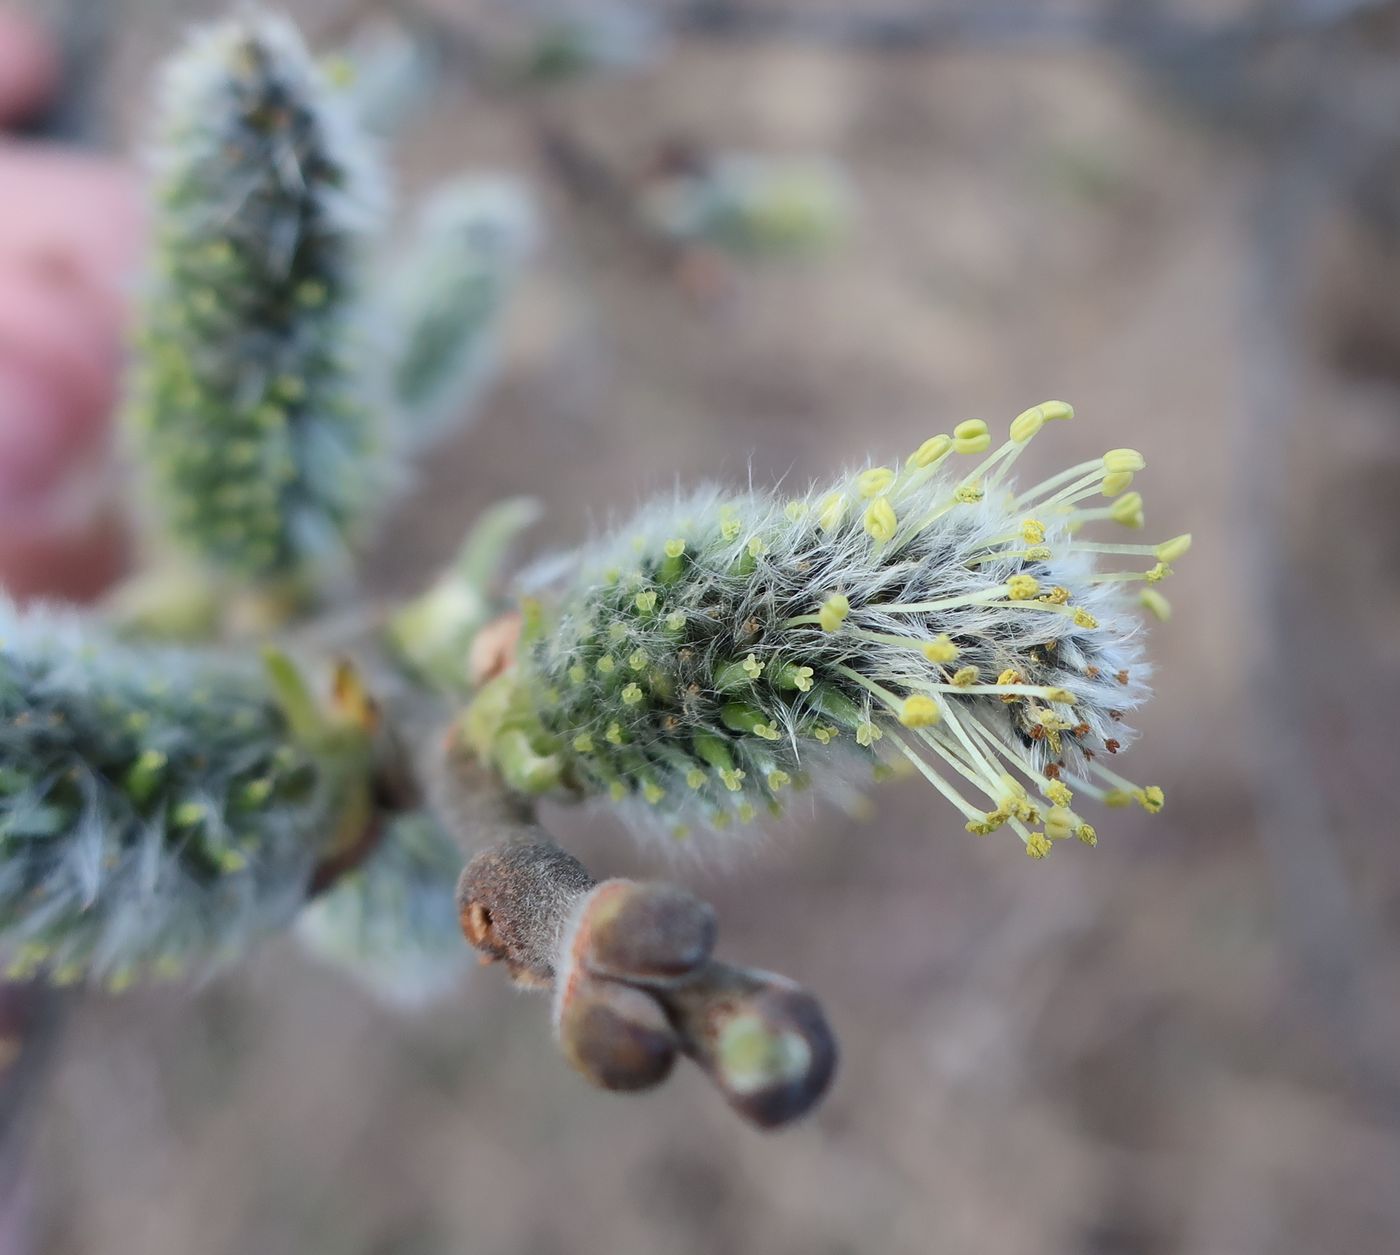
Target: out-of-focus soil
1108,1052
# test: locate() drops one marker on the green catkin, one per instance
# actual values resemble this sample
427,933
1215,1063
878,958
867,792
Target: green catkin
392,923
446,297
723,650
249,401
157,810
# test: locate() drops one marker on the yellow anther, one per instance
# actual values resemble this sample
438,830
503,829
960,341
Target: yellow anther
1086,833
583,743
674,548
1032,531
1060,695
940,649
645,601
831,511
880,519
1013,786
969,494
632,694
824,734
1153,601
1052,725
578,673
1010,676
752,667
867,734
796,511
617,790
1120,460
971,436
778,780
873,482
989,822
675,620
1171,550
617,632
919,711
695,778
1060,823
730,528
1151,799
1022,587
653,792
1038,845
1037,553
1058,793
1127,510
802,679
745,812
932,450
1116,799
833,612
767,731
606,665
1026,424
613,735
1115,482
963,677
756,547
733,778
1158,573
638,661
1030,421
1057,596
1082,618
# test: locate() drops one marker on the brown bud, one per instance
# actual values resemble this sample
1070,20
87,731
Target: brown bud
643,931
512,901
763,1041
618,1037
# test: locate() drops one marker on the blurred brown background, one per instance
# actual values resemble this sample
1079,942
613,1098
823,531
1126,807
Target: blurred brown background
1185,219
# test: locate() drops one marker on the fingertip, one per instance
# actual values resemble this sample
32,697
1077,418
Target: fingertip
58,369
29,67
71,560
80,212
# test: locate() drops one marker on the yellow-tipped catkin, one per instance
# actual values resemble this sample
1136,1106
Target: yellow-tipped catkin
950,626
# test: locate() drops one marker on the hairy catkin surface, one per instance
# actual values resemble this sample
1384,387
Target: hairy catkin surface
724,649
156,813
446,297
392,923
251,404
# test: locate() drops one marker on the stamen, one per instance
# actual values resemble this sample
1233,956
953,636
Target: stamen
951,754
969,811
971,436
1054,481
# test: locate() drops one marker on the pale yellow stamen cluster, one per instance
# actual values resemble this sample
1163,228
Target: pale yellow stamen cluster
948,741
